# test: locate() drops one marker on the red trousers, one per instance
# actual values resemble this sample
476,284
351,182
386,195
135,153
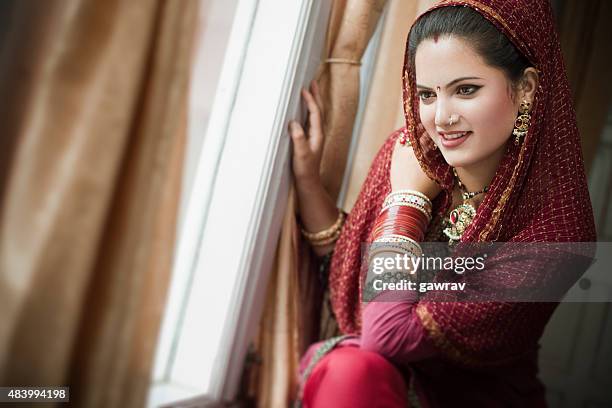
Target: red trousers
352,377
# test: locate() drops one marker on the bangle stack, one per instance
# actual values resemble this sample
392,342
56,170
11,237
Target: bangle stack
327,236
409,198
402,222
400,225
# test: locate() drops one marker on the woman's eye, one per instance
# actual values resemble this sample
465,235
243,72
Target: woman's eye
423,95
467,89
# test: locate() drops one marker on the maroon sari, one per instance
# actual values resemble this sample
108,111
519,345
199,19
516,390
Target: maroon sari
538,194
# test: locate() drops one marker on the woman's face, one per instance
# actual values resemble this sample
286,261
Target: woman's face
481,105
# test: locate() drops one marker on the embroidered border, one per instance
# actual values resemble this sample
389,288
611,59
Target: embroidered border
454,352
438,337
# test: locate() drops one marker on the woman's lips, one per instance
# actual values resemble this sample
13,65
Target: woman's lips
449,143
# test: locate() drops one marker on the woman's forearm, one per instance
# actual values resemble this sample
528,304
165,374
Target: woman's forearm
393,330
317,210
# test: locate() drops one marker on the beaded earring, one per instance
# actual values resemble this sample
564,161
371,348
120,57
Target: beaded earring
521,124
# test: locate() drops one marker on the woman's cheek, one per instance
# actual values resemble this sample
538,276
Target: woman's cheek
499,120
498,109
427,119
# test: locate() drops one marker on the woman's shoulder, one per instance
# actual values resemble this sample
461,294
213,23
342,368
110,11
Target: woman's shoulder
386,149
377,183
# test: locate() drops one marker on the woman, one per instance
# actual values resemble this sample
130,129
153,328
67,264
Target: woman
490,135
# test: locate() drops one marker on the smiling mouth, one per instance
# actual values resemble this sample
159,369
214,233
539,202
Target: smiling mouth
454,136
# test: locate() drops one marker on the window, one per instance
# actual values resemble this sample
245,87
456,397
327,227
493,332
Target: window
234,207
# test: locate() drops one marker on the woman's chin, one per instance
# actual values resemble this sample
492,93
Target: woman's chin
456,159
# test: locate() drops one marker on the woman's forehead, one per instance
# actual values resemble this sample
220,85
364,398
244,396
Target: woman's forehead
437,63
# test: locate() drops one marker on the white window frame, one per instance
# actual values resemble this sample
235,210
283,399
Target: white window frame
234,214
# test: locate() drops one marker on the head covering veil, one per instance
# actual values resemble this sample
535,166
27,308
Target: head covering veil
538,194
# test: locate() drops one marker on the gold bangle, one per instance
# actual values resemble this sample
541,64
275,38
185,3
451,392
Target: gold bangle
328,232
425,211
326,241
342,61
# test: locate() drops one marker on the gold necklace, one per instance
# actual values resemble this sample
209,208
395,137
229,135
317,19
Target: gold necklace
462,215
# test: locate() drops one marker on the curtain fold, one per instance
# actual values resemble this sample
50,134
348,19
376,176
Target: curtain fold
339,83
93,112
383,111
287,321
291,316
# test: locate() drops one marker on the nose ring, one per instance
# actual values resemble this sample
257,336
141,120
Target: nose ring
452,120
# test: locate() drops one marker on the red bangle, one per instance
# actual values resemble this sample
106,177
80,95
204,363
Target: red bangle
402,220
414,234
402,217
398,225
403,212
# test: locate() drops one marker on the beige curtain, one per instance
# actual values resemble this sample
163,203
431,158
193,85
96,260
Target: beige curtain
353,23
383,111
93,115
290,320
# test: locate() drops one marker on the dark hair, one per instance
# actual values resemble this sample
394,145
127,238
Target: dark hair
465,22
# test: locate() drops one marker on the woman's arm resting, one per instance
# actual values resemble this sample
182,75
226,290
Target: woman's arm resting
394,330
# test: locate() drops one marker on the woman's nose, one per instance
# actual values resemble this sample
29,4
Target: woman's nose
442,112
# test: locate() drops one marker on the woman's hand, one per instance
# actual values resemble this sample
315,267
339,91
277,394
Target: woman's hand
317,209
308,146
406,173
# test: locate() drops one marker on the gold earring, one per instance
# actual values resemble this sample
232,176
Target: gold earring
521,124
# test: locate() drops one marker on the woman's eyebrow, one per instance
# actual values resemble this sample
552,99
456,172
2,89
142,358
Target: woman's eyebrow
454,81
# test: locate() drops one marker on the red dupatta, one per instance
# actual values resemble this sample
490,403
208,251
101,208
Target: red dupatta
538,194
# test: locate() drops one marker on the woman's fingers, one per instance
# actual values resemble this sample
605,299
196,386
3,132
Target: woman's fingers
308,145
406,172
300,144
314,118
316,92
313,108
